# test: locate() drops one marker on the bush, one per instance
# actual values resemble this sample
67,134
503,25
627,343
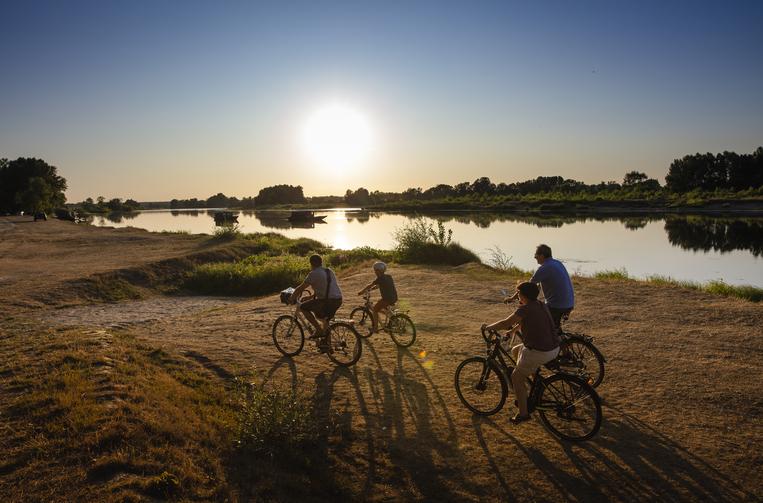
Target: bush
255,275
227,232
618,274
274,422
340,258
420,243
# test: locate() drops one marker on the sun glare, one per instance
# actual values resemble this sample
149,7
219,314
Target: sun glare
337,137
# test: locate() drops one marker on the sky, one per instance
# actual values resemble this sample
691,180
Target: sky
154,100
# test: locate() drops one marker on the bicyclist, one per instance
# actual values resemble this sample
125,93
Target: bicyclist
540,341
386,287
555,282
327,298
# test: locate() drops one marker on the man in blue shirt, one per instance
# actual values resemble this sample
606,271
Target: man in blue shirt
555,282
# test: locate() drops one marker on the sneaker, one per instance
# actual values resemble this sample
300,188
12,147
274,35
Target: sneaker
318,334
517,419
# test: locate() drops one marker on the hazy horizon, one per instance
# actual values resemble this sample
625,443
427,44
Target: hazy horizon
183,99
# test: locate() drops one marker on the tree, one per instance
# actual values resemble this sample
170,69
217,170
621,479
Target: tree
280,194
30,184
634,178
360,197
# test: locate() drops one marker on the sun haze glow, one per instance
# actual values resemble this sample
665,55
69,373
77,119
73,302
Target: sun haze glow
337,136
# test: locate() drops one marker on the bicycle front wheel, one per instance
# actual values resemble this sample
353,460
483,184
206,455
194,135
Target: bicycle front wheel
402,330
581,358
480,385
569,407
345,345
288,335
363,321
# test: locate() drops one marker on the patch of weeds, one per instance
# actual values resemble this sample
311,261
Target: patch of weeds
613,274
255,275
227,232
274,422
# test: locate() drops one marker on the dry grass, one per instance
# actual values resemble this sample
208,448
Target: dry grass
94,412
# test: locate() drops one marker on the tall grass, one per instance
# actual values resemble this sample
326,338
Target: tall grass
419,243
274,422
256,275
746,292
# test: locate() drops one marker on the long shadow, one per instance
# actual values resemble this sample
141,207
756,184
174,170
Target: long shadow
289,362
431,463
640,463
628,460
338,421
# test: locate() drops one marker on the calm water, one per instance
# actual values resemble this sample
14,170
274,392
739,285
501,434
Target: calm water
687,248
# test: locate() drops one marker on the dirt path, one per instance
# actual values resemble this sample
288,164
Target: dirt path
682,393
667,434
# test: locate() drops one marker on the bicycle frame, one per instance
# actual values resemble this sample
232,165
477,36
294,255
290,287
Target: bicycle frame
388,311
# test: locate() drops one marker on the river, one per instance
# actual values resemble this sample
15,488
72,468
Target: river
694,248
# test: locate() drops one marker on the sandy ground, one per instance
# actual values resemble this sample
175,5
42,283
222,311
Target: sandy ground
682,394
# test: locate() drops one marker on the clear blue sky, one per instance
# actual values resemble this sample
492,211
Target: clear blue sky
159,99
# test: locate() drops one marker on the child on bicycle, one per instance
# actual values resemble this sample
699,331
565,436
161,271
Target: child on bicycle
386,287
540,341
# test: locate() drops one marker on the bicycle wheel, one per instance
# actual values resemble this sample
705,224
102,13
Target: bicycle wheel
581,358
569,407
402,330
288,335
480,385
345,345
363,321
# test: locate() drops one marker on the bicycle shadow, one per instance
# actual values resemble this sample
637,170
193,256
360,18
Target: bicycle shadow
628,460
641,463
291,371
339,433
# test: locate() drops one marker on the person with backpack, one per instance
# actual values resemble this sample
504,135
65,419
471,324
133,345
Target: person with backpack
327,296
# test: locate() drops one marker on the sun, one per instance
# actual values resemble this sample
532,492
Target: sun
337,136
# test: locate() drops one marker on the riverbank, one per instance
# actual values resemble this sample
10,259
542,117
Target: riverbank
137,399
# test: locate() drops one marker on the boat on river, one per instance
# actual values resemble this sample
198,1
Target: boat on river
225,217
305,216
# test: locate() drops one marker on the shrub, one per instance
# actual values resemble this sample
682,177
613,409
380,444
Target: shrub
419,243
227,232
255,275
274,422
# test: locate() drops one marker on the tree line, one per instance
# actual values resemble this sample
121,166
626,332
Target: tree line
30,184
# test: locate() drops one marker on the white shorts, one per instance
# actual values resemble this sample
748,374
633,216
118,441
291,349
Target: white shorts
528,360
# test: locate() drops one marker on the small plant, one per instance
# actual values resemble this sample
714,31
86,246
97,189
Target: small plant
227,232
274,422
499,260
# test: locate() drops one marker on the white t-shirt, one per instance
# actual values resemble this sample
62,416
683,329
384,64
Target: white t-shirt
317,279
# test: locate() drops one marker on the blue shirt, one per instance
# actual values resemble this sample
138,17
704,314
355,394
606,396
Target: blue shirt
556,284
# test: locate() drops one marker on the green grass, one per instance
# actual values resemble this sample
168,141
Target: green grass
746,292
255,275
280,261
616,274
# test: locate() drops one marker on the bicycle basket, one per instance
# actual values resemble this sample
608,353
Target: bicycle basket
285,295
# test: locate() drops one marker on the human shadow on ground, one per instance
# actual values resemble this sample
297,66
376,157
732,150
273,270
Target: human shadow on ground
628,460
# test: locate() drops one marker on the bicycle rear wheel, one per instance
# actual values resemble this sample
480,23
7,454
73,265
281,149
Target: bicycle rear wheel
363,321
480,385
569,407
345,345
581,358
288,335
402,330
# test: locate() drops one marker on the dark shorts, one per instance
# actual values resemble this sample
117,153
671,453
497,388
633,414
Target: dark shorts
556,315
323,308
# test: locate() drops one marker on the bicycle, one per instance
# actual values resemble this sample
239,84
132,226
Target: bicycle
397,324
578,355
341,343
568,406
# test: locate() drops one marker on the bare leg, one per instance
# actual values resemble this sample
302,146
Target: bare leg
311,318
